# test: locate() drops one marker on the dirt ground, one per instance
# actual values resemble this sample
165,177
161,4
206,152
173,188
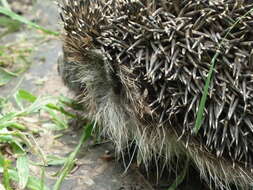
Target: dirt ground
92,171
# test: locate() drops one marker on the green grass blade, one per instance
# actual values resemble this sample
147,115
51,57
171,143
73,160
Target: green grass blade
12,124
70,161
71,103
18,126
204,96
202,104
21,19
61,109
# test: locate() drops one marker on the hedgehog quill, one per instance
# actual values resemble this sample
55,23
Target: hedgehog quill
140,69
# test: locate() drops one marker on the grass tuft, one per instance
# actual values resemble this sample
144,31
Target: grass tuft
14,134
71,159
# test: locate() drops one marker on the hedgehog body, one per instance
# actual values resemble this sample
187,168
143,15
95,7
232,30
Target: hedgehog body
140,68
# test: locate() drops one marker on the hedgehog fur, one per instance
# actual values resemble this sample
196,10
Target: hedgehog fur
139,66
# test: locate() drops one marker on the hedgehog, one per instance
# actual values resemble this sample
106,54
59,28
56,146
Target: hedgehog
139,67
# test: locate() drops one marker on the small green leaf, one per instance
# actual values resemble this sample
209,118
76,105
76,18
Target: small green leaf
22,94
23,170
